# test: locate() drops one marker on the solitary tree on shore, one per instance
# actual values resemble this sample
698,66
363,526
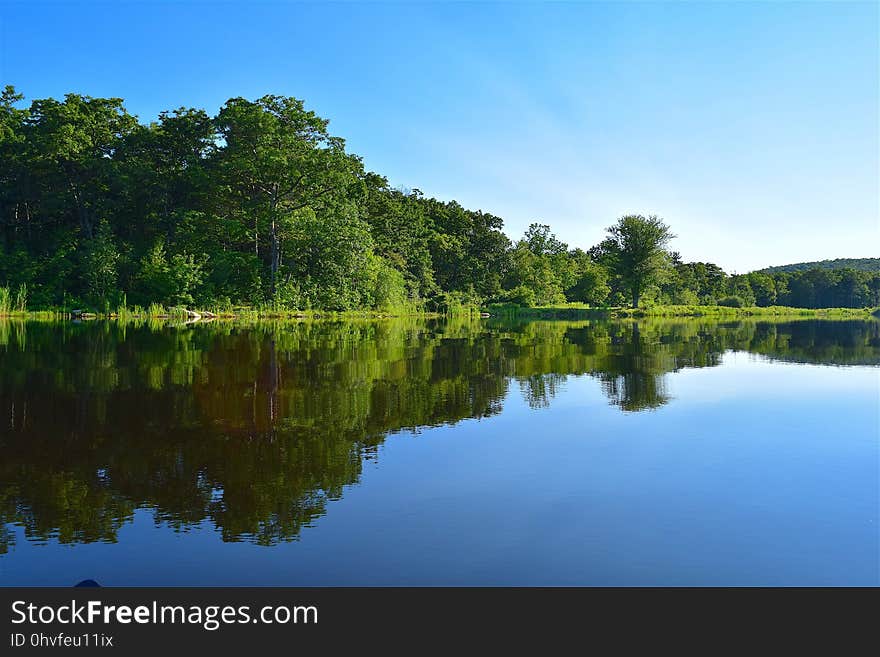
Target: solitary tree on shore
637,246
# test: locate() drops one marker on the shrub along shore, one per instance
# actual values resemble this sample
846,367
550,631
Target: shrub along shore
573,311
581,311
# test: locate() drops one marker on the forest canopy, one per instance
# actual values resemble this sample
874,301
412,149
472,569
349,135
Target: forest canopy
261,205
861,264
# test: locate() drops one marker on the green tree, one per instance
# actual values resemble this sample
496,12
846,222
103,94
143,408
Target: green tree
401,232
73,146
738,285
15,210
278,159
169,281
764,288
468,249
329,258
99,262
260,203
386,285
540,262
591,280
637,250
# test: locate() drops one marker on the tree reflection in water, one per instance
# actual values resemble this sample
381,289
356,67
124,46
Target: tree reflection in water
254,428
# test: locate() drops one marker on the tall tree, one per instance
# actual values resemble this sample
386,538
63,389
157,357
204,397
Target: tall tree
540,262
279,160
74,144
14,211
401,232
637,246
591,280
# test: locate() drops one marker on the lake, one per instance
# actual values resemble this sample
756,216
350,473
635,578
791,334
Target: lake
414,452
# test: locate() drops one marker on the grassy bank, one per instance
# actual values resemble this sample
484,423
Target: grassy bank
582,311
749,311
14,304
248,314
567,311
571,311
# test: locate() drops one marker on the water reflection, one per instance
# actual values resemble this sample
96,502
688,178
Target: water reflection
255,428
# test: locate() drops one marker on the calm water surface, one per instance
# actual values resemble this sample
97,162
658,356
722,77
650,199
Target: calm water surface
411,452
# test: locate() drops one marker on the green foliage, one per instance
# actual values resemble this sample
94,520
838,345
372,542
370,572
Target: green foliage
329,257
521,295
636,251
859,264
123,312
455,303
99,261
288,296
261,206
705,280
177,312
685,297
171,281
19,303
763,288
591,280
745,311
468,249
387,287
823,288
156,310
541,263
278,160
732,302
402,233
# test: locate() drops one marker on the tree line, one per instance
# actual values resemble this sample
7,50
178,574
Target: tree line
862,264
260,205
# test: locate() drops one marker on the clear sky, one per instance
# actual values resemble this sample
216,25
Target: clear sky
751,128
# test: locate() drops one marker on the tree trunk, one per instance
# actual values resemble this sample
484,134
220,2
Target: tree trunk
85,220
275,241
275,255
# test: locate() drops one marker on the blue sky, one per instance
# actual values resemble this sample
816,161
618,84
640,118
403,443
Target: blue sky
752,128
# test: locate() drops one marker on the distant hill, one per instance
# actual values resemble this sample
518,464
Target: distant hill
861,264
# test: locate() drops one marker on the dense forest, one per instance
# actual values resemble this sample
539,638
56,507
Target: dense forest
260,205
861,264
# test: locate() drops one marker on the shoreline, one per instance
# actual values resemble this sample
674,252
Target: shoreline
572,312
721,312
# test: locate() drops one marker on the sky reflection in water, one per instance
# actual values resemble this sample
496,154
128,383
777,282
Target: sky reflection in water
411,452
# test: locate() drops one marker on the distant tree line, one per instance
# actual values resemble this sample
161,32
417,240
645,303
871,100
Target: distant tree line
261,205
861,264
